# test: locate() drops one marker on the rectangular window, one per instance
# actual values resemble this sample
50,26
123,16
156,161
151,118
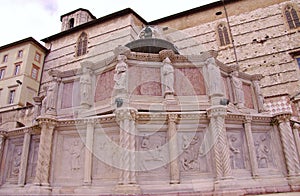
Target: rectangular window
11,96
2,72
298,61
5,58
37,57
20,54
35,72
17,69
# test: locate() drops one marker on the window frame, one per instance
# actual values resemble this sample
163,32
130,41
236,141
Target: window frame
2,72
82,45
223,35
39,57
11,99
17,71
5,58
37,68
291,22
20,53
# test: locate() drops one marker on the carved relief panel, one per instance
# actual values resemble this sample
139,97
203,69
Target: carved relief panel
32,158
153,155
69,158
264,149
106,155
237,149
13,160
192,159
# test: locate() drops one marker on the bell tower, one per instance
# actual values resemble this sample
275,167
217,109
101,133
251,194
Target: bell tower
75,18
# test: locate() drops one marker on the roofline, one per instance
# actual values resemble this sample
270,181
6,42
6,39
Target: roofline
94,22
28,39
77,11
191,11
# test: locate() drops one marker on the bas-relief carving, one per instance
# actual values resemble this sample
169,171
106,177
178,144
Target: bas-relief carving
13,161
121,75
106,156
236,150
191,159
153,153
49,101
69,157
264,156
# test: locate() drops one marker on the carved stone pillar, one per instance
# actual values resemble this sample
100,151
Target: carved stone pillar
2,141
88,160
24,158
127,179
173,149
251,147
296,129
217,114
45,150
288,143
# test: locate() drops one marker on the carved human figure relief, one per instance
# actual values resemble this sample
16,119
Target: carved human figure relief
49,101
86,87
16,163
234,152
238,90
214,77
262,152
168,76
75,153
189,158
120,76
260,97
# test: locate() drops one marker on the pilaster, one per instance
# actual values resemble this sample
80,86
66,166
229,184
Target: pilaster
90,126
251,147
24,158
173,149
2,142
296,129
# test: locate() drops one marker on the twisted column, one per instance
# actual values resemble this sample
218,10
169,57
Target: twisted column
126,119
173,149
88,159
217,129
251,147
296,129
288,142
45,150
2,140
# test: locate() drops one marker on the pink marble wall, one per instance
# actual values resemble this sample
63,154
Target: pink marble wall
248,96
189,82
67,93
145,81
104,85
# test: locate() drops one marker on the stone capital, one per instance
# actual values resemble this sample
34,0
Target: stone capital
126,113
173,118
48,122
296,126
248,119
216,111
285,117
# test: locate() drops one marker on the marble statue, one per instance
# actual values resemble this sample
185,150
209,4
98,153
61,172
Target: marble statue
168,76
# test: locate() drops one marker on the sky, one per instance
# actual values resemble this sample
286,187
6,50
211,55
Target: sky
41,18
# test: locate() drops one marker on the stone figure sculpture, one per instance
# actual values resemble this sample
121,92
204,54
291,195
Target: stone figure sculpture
233,151
262,152
238,90
49,101
168,76
214,77
120,77
260,97
85,87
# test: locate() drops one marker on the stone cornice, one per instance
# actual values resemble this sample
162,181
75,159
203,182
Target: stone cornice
21,131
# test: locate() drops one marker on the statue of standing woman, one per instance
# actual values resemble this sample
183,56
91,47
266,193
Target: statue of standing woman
86,87
214,77
120,76
168,76
238,90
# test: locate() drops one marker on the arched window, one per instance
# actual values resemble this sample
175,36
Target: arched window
71,23
223,34
81,48
291,17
